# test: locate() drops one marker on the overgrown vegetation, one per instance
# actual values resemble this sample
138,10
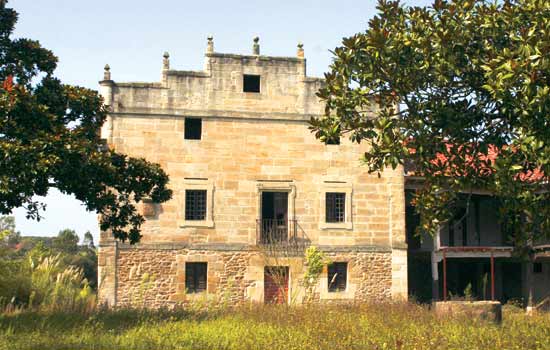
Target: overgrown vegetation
380,326
46,273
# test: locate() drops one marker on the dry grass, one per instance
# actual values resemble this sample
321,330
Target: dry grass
378,326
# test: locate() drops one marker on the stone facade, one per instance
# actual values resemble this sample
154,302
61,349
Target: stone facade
251,143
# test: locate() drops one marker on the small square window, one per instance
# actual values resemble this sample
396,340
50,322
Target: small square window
337,276
195,277
335,207
195,204
537,268
333,141
193,128
251,83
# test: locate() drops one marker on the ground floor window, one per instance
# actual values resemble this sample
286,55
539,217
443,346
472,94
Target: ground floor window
337,276
195,277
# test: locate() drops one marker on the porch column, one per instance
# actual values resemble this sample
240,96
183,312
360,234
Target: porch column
435,278
492,277
528,285
444,276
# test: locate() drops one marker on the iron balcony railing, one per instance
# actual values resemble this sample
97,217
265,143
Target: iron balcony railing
276,231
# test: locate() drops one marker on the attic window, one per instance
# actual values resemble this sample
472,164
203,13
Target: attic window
251,83
193,128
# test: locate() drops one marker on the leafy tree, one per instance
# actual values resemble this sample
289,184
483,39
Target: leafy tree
459,91
88,240
66,241
49,137
7,225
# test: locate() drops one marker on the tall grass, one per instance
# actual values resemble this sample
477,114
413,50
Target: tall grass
364,326
47,284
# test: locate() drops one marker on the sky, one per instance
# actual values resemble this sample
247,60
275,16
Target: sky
132,35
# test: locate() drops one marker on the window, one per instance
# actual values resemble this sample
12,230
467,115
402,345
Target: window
195,204
193,128
251,83
335,207
537,268
337,276
333,141
195,277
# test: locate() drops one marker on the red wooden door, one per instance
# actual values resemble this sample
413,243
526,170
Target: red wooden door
276,284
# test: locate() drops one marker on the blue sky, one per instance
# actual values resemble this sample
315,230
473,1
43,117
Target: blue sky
131,36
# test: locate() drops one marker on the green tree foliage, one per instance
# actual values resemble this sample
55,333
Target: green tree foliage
49,137
7,225
66,241
460,91
88,240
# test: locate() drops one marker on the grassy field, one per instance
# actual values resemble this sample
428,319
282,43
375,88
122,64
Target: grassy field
384,326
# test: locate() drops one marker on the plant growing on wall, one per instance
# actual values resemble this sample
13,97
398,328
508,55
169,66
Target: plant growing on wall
459,93
49,137
315,262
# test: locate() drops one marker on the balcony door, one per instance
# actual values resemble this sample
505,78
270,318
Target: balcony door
274,220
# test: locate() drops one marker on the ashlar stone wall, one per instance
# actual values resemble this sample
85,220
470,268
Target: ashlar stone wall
250,143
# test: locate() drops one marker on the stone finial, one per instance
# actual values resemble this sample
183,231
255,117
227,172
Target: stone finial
256,46
166,61
300,52
210,44
107,72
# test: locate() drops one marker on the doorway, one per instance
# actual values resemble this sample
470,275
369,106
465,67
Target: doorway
274,220
276,284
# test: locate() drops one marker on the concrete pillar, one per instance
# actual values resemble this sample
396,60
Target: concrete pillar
528,284
435,278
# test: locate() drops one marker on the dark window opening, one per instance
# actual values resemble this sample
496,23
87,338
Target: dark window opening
193,128
337,276
251,83
335,207
537,268
195,204
333,141
195,277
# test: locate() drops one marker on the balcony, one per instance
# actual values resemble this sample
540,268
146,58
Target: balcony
276,231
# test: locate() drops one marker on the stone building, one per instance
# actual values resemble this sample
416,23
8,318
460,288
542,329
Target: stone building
248,176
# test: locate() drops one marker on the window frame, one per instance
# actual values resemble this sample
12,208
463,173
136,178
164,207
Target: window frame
334,287
336,187
196,277
186,129
197,184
